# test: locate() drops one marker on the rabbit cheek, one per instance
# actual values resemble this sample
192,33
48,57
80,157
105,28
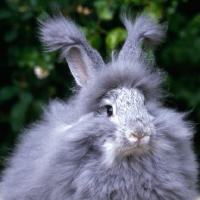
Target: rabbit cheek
124,146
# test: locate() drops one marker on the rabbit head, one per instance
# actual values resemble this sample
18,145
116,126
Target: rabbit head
134,128
120,90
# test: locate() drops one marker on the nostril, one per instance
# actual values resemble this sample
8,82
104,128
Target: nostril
138,135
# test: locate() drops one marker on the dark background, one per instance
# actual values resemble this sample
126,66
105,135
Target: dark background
23,91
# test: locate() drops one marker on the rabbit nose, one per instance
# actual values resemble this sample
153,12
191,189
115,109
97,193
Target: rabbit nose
137,135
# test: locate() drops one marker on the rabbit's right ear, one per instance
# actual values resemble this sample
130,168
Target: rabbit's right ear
61,33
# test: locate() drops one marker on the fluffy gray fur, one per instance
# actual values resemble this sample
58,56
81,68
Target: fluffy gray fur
81,151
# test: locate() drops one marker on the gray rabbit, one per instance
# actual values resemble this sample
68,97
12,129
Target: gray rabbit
113,139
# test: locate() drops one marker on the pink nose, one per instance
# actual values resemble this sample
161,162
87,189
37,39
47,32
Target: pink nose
138,136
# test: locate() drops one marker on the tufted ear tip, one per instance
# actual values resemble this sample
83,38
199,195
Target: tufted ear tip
143,28
60,33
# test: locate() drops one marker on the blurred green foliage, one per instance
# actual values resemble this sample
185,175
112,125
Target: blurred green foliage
31,77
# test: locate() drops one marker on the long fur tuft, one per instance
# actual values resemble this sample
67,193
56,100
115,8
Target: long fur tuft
141,29
61,33
58,33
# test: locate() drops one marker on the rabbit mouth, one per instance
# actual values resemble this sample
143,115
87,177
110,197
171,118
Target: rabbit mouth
139,142
134,144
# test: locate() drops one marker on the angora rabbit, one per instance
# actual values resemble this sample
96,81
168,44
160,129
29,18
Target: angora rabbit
114,139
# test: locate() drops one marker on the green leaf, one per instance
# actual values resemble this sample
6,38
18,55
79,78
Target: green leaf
8,92
95,41
18,116
10,36
18,112
115,37
4,14
104,10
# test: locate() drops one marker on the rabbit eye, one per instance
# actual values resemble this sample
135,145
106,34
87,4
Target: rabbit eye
109,110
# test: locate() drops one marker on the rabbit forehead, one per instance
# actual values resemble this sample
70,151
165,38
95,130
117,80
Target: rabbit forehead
129,107
125,98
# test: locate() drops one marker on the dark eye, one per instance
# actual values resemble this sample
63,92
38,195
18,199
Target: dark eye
109,110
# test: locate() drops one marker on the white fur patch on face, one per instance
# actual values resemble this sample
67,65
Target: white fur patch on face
110,152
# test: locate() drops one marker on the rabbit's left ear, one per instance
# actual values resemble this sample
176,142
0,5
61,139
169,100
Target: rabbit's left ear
82,63
61,33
